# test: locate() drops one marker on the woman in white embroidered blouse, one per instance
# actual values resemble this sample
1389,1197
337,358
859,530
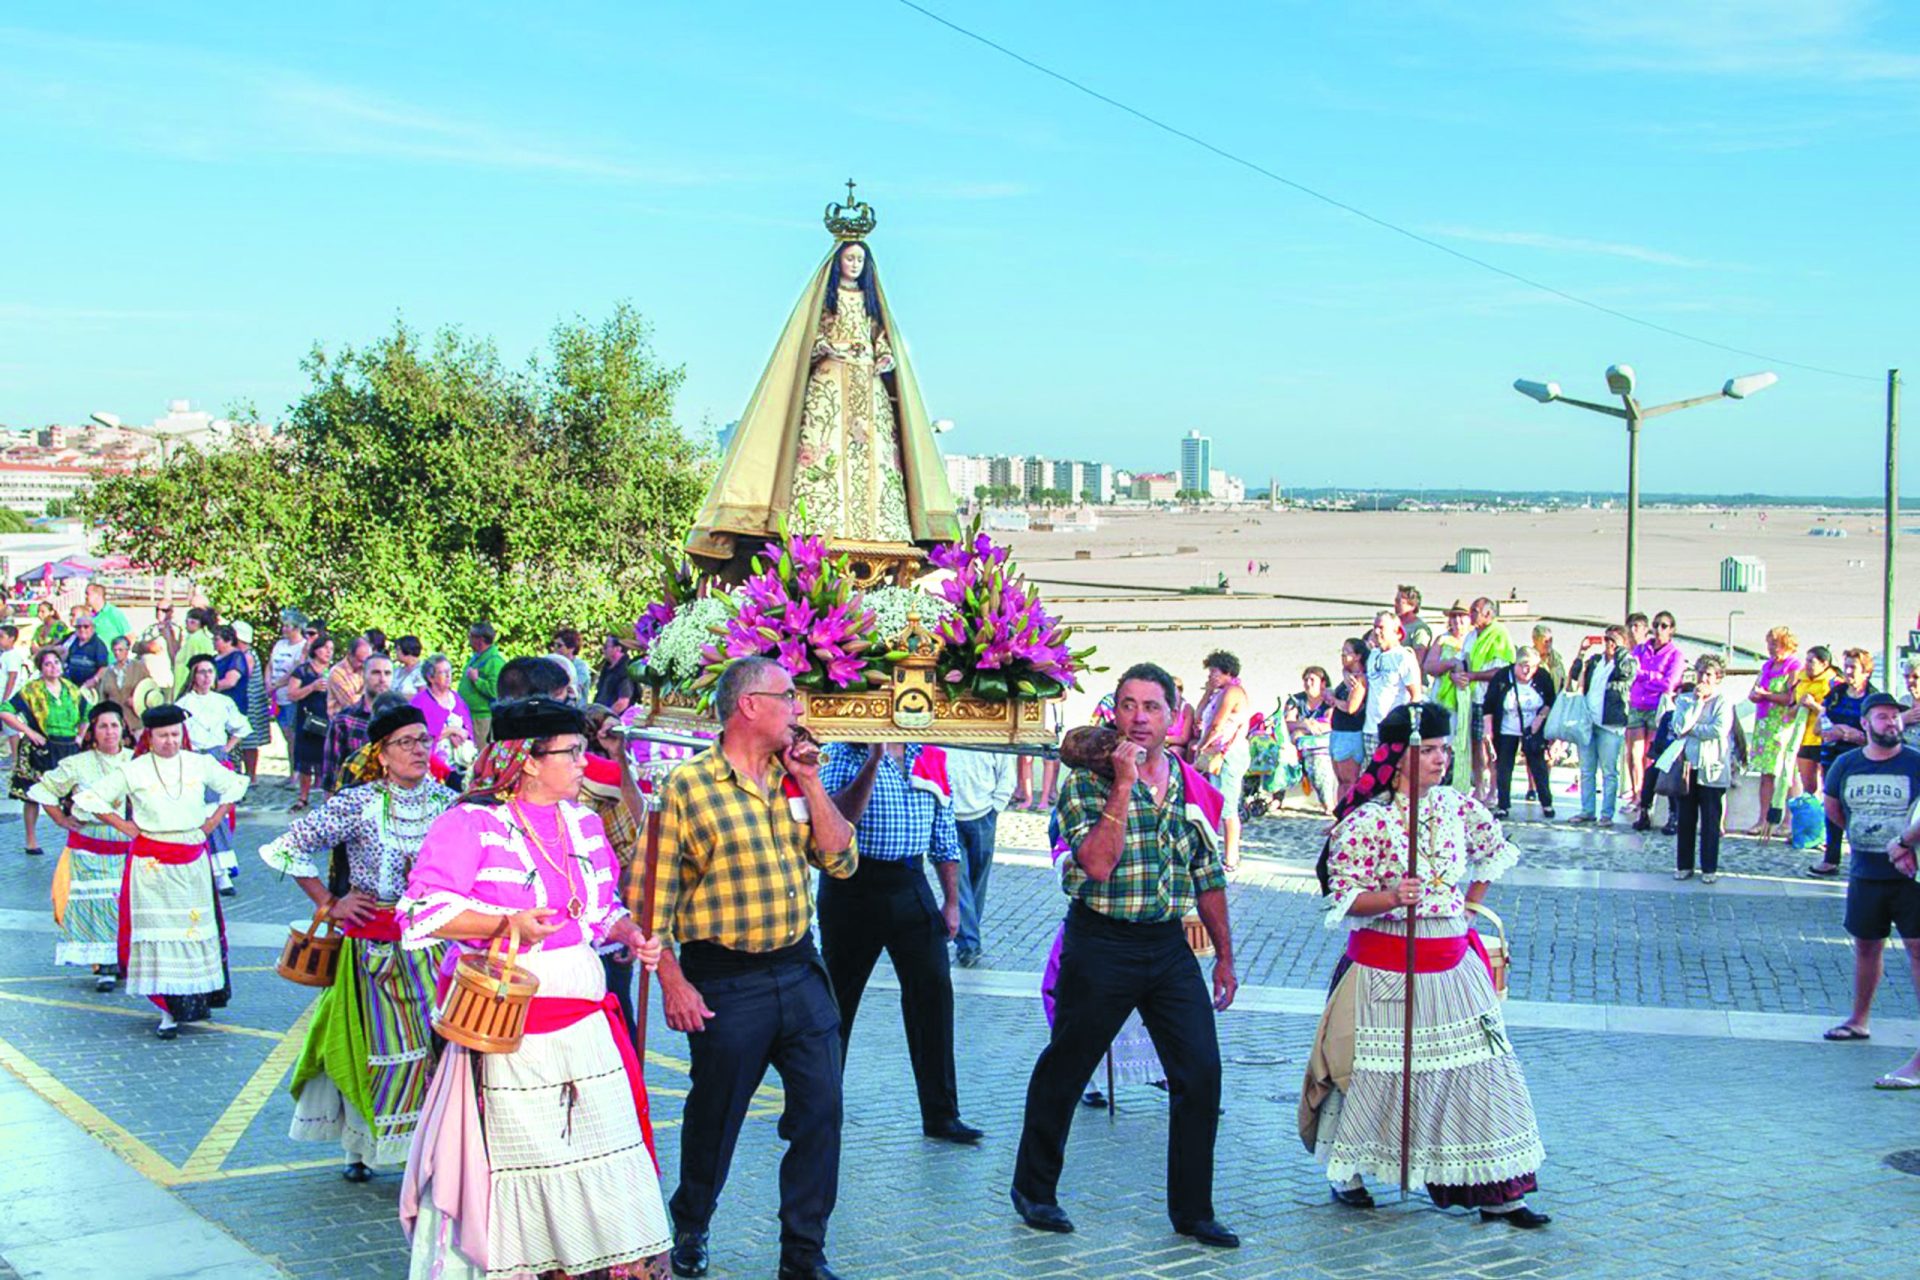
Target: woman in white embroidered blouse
1475,1143
175,949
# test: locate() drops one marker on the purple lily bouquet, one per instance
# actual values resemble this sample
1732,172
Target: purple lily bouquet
801,609
1000,642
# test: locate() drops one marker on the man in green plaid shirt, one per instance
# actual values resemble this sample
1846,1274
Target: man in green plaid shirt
1141,850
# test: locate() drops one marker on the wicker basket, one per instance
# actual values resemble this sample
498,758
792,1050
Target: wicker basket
1499,954
311,958
486,1004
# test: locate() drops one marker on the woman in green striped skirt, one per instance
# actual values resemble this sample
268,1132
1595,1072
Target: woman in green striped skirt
363,1073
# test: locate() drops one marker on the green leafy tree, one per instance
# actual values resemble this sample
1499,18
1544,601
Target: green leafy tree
12,521
419,485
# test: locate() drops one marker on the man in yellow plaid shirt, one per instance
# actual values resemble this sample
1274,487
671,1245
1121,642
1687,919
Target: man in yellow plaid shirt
742,825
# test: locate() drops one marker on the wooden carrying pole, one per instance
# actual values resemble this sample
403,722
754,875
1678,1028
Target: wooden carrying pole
640,886
1412,766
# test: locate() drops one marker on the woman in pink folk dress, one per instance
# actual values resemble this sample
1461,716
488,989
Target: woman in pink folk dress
538,1161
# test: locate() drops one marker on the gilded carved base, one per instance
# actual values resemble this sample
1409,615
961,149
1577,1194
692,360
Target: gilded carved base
875,717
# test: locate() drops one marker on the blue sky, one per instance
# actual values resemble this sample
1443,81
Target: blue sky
195,194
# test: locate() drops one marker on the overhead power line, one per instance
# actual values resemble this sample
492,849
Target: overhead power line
1384,224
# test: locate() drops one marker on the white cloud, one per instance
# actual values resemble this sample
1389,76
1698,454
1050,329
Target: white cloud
198,106
1569,244
1824,40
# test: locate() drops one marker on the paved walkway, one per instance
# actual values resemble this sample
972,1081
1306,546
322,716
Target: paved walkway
1695,1124
75,1210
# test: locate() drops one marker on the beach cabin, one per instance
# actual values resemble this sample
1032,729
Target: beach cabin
1743,573
1472,560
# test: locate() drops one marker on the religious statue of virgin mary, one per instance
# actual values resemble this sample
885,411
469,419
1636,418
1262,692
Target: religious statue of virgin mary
836,438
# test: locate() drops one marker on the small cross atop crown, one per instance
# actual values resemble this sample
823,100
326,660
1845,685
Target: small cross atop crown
853,220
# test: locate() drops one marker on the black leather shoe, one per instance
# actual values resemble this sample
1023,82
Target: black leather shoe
689,1256
807,1271
1093,1098
1208,1231
1042,1217
357,1172
167,1033
1523,1218
956,1131
1358,1198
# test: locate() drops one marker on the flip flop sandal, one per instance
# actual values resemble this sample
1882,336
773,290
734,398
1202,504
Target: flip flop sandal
1845,1032
1896,1082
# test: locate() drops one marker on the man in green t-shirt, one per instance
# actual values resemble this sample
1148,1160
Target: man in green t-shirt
109,624
480,683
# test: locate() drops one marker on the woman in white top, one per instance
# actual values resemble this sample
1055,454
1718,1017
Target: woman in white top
1703,734
96,854
1516,715
173,943
215,727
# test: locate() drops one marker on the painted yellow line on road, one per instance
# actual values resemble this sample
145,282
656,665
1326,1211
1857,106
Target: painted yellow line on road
204,1164
253,1097
147,1012
255,1171
77,978
765,1097
149,1163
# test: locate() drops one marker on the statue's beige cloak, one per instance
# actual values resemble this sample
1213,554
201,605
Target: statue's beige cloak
754,488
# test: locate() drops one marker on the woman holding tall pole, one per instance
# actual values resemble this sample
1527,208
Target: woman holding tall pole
1463,1111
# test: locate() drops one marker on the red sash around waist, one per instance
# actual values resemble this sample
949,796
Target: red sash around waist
381,926
547,1014
1377,949
166,851
90,844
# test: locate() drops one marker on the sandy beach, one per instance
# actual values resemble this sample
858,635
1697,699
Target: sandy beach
1330,569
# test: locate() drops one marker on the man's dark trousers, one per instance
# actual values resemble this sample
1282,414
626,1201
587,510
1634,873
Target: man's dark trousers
888,906
1108,968
773,1011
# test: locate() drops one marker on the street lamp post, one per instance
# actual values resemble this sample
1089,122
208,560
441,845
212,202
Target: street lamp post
1620,380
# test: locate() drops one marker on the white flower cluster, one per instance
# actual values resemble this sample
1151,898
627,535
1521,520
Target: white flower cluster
674,655
891,605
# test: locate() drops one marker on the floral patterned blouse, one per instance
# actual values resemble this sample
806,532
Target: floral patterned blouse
381,826
1460,845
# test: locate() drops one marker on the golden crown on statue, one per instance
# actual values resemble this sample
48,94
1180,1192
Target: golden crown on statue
853,220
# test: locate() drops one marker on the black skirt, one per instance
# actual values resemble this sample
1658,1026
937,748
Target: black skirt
31,763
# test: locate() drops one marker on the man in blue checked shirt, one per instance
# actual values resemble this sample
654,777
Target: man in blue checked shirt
901,804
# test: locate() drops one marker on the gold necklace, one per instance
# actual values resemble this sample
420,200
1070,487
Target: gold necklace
575,907
179,778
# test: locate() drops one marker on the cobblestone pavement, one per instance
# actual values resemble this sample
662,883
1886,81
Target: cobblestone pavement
1695,1155
1679,945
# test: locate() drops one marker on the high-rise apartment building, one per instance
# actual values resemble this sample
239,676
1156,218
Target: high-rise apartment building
1196,462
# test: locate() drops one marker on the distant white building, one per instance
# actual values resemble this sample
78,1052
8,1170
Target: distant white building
1036,475
1155,487
27,487
966,473
1226,488
1005,519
